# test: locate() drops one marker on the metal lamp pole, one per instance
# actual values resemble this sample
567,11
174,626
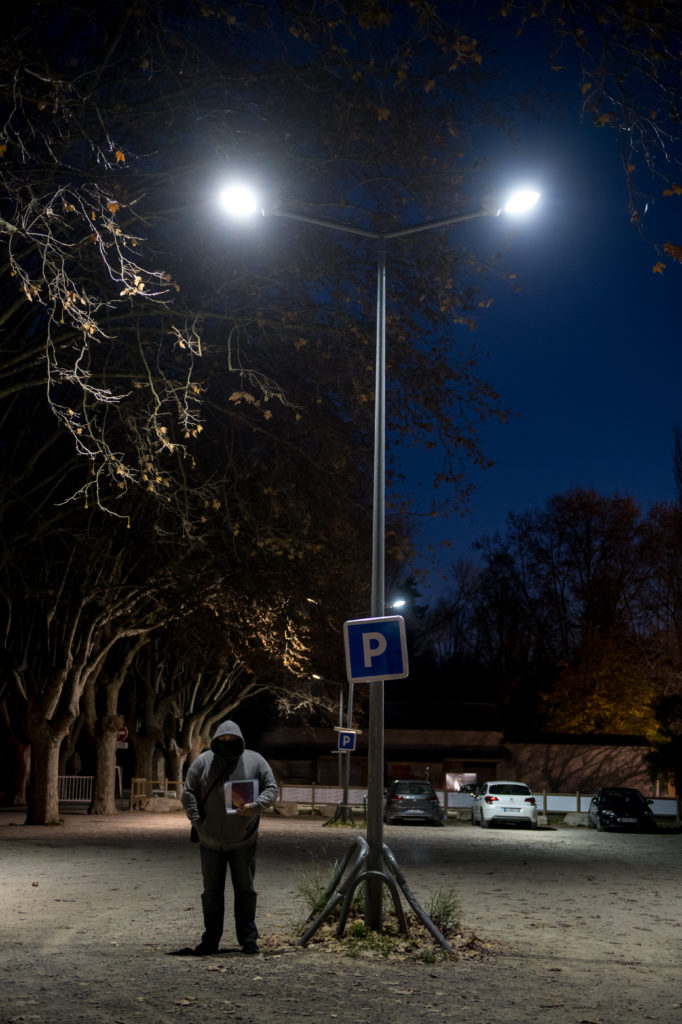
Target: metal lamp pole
373,906
344,762
375,768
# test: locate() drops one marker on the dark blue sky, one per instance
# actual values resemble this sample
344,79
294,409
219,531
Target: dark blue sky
587,356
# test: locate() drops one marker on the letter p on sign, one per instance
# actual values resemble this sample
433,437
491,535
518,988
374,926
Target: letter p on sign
376,649
373,645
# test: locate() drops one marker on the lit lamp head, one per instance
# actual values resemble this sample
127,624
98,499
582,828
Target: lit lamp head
521,201
239,201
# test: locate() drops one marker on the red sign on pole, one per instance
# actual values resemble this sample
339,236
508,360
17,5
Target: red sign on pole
122,734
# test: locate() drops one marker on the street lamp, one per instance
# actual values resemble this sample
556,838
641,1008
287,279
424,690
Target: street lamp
239,201
344,811
521,201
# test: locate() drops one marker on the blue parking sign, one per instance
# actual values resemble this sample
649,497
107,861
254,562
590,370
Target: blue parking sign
376,649
347,740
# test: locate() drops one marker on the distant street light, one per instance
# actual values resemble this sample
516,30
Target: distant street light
344,811
239,201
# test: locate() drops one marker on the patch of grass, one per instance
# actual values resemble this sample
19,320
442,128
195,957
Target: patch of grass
314,886
391,943
360,939
444,909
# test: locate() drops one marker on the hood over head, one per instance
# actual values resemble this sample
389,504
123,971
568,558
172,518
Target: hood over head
228,741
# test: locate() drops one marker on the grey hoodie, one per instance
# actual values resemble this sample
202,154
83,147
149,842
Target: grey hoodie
217,829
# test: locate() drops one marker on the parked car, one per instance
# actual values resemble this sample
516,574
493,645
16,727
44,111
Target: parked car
412,800
503,801
619,807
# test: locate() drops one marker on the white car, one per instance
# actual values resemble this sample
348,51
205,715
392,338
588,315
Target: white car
504,801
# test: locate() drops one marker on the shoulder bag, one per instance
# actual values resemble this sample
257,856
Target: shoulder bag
193,834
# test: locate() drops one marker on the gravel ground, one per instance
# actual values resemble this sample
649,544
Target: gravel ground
570,925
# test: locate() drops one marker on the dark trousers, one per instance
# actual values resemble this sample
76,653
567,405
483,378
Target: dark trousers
242,864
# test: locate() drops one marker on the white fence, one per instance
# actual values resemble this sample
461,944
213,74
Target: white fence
315,796
74,789
77,789
563,803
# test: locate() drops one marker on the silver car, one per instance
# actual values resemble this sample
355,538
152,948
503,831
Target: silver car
412,800
502,801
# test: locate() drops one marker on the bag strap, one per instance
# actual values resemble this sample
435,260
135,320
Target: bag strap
214,783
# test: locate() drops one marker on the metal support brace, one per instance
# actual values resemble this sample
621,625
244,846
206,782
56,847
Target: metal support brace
411,899
333,902
355,862
393,889
343,814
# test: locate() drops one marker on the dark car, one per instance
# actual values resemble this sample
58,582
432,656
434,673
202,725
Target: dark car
412,800
618,807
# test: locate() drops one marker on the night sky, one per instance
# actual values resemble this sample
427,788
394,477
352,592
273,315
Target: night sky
587,355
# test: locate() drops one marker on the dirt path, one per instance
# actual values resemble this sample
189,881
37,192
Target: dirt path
580,927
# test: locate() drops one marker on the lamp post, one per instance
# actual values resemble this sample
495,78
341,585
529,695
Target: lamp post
240,202
344,762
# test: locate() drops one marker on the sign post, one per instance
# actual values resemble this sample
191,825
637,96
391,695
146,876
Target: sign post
376,650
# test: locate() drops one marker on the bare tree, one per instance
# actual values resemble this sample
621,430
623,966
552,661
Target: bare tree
60,645
627,82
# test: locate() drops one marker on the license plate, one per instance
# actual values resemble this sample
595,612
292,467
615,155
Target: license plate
629,821
511,810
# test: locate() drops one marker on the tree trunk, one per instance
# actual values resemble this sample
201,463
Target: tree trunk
197,747
69,760
43,786
22,768
158,764
21,751
105,731
143,747
104,786
174,762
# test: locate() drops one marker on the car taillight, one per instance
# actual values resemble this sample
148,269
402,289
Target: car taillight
530,800
397,796
433,799
491,799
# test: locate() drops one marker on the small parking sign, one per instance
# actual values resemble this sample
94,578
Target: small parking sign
346,740
376,649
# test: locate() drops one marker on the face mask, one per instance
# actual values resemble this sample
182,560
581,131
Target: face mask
226,748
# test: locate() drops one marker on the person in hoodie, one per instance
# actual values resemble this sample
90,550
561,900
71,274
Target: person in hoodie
228,839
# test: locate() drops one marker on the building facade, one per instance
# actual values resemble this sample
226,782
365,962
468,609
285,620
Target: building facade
306,754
